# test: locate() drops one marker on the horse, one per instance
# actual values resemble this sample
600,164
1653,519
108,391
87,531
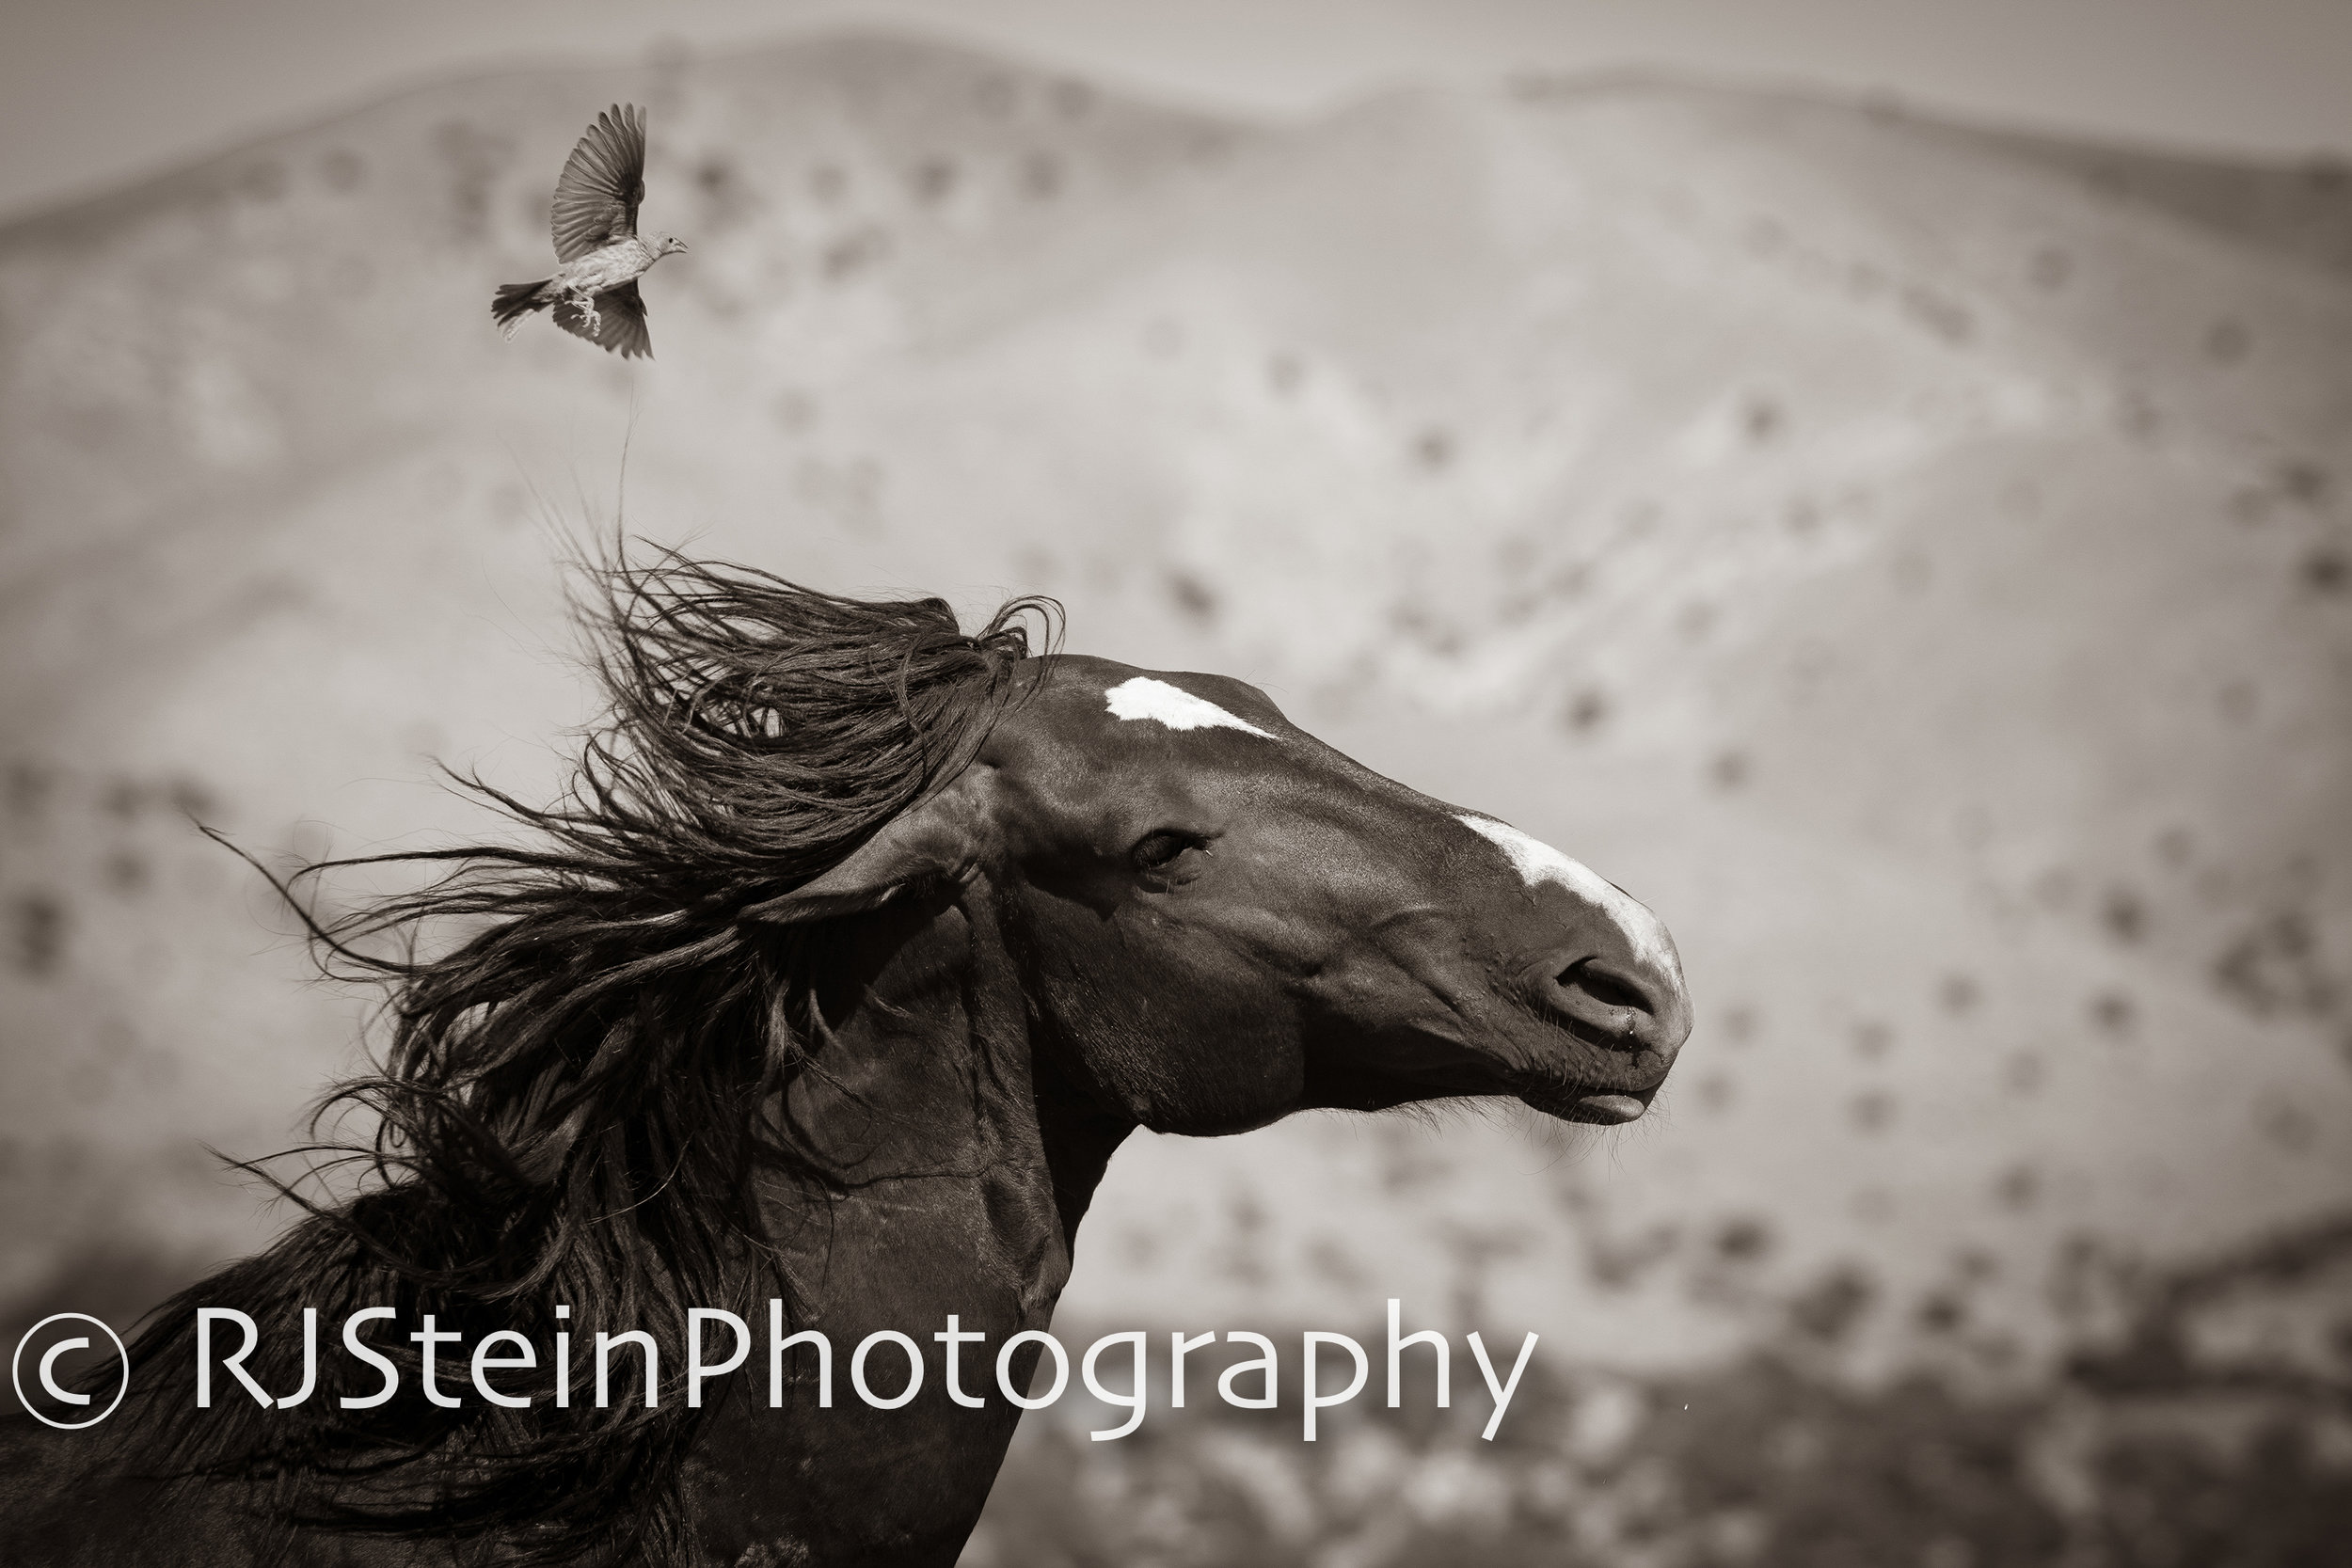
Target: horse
823,994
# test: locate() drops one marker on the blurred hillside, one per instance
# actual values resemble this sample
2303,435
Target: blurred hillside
1916,561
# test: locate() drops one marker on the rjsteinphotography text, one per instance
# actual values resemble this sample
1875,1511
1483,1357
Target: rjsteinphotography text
886,1369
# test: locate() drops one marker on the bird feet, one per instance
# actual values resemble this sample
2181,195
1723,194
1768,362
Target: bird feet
586,304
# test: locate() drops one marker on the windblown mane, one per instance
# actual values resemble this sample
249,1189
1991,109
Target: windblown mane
576,1093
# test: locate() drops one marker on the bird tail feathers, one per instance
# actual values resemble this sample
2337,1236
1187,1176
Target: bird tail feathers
514,301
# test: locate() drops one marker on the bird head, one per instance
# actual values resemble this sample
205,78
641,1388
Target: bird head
665,244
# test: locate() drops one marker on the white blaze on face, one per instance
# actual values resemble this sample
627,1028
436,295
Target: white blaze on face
1537,862
1173,706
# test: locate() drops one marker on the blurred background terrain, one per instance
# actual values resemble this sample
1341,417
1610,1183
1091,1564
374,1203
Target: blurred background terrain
1915,559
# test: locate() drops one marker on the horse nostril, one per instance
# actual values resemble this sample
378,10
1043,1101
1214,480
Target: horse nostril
1626,1010
1609,990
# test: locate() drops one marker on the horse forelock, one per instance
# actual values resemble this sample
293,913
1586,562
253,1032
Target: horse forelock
572,1103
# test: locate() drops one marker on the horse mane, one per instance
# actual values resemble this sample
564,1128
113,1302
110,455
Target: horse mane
576,1093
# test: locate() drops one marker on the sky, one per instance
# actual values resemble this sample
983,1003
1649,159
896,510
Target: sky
95,93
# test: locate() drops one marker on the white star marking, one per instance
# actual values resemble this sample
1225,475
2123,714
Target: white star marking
1173,706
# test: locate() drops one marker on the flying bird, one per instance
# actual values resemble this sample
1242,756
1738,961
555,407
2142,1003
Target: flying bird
594,294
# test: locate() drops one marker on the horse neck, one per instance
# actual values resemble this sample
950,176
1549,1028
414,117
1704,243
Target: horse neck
957,1167
959,1163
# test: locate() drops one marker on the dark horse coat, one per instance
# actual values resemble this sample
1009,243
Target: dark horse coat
854,951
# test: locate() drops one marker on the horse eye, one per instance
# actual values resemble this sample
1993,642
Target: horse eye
1155,849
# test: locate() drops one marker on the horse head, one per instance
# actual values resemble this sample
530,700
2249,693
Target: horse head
1222,920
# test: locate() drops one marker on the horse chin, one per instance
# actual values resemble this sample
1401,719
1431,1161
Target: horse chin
1604,1109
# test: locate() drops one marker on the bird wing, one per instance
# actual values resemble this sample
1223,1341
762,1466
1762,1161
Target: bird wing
604,180
620,322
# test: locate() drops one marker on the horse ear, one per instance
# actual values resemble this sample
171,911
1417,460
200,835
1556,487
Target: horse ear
938,841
